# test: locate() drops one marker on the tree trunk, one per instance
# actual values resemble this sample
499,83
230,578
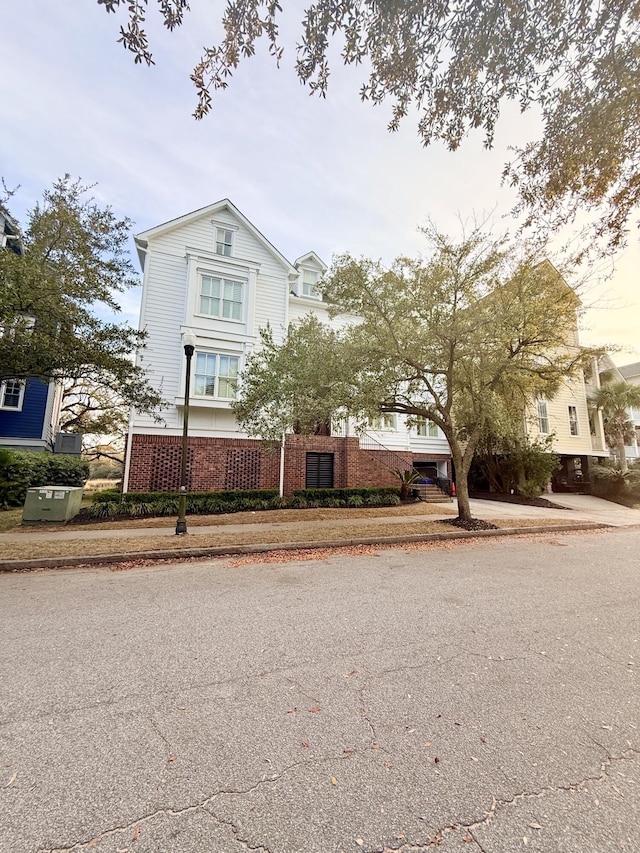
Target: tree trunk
622,457
462,491
462,466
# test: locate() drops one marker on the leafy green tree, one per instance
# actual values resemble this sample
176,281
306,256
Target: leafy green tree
72,262
615,399
455,64
516,464
463,338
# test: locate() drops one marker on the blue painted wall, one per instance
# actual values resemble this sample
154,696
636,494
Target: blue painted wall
28,422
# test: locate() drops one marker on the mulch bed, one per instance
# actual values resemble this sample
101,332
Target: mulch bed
470,524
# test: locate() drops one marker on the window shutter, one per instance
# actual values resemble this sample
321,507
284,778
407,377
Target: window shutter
319,473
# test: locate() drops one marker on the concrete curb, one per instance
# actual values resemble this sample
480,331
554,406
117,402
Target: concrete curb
235,550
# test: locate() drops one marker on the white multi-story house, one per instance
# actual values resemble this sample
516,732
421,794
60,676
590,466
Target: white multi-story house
213,273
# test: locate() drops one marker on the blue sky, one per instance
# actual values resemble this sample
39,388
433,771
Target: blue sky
309,173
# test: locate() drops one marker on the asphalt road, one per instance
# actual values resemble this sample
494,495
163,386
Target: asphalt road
467,697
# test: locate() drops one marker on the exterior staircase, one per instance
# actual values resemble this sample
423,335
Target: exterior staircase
438,492
429,493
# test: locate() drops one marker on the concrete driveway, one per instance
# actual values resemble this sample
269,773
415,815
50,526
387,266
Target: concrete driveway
456,697
585,507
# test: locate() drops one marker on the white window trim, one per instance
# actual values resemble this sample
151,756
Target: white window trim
379,426
223,242
428,426
571,421
3,388
218,353
220,225
542,417
317,297
200,274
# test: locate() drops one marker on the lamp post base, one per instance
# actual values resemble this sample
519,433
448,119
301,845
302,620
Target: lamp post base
181,523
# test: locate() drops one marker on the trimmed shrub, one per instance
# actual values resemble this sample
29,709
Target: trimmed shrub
376,496
24,469
145,504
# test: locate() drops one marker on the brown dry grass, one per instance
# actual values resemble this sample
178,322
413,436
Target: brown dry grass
285,515
266,535
14,517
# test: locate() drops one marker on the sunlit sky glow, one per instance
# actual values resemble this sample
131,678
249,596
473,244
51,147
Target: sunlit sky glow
309,173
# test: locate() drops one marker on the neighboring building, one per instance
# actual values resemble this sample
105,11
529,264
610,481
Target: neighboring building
214,273
29,414
29,409
630,373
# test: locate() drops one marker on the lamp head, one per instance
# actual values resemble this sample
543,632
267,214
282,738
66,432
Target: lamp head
188,342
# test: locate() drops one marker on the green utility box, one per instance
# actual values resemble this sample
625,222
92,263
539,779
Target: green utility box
51,503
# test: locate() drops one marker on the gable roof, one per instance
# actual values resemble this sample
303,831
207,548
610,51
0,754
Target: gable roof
310,256
630,370
210,210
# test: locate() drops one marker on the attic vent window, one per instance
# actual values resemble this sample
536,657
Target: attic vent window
224,241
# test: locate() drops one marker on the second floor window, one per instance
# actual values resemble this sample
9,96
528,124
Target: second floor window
220,297
426,428
216,375
386,421
543,417
573,420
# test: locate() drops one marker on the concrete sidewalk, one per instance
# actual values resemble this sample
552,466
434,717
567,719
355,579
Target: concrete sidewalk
570,508
392,529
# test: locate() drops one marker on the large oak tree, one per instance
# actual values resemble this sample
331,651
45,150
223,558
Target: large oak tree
465,338
454,63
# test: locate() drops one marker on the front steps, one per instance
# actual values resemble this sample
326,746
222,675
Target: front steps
429,493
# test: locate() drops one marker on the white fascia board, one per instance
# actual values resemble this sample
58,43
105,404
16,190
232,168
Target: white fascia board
311,256
211,211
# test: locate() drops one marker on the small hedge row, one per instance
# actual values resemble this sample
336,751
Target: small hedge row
25,469
374,496
112,504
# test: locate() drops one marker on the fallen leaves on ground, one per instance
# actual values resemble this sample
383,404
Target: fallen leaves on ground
291,555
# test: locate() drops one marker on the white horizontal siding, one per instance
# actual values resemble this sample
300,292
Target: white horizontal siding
163,313
271,303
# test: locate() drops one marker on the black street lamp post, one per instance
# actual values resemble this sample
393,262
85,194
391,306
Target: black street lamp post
189,344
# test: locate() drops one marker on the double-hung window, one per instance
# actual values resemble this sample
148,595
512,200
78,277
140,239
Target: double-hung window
386,421
11,395
309,281
426,428
224,241
574,428
220,297
216,375
543,417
